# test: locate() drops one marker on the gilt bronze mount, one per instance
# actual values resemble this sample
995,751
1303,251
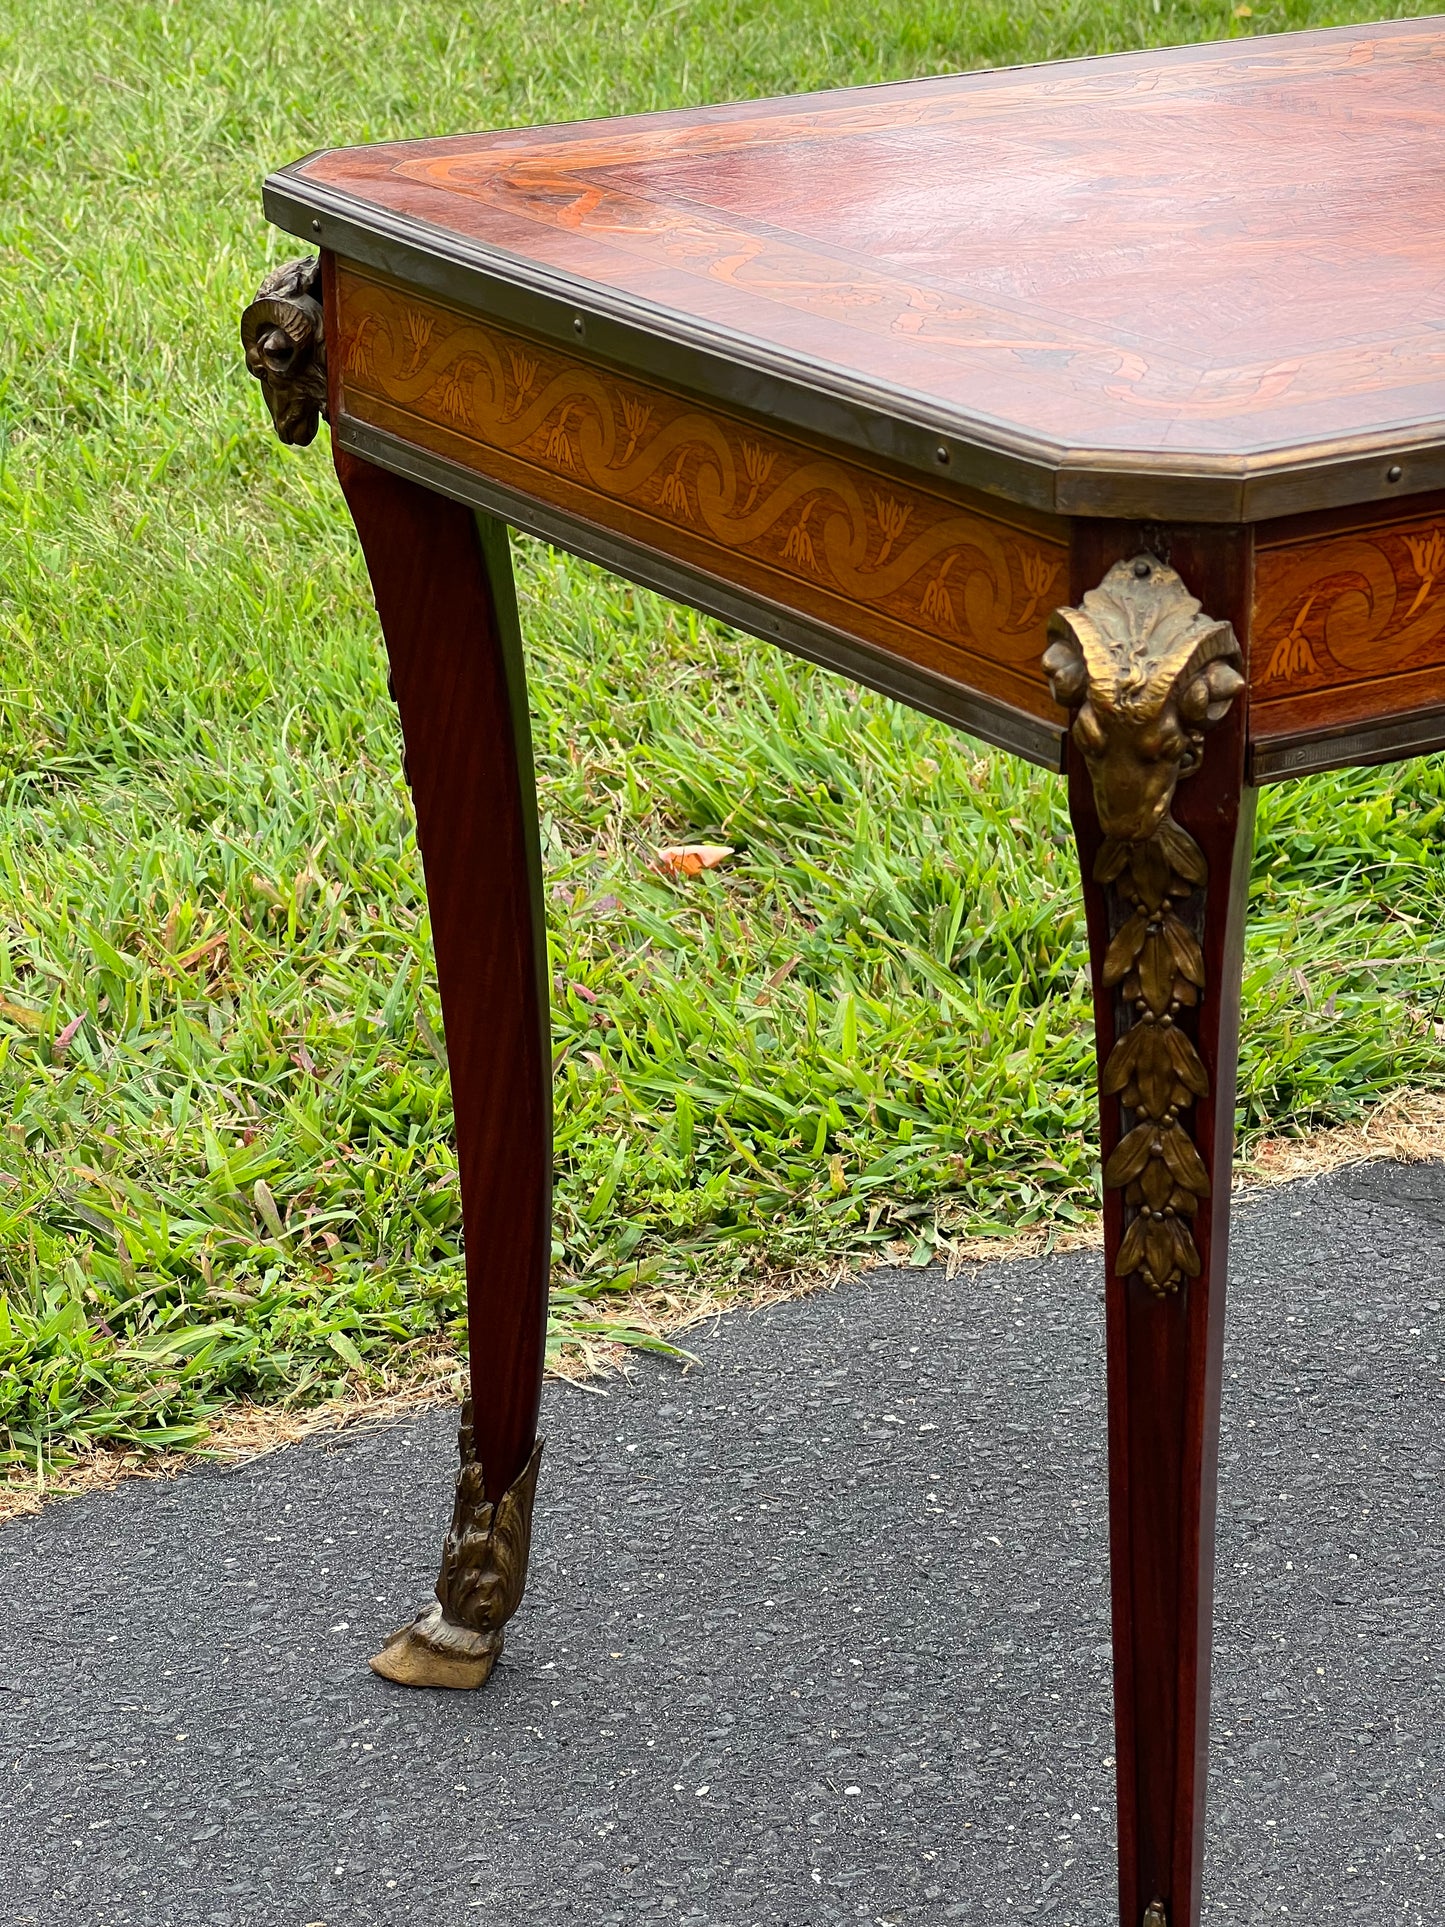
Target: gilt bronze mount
283,334
1147,674
456,1639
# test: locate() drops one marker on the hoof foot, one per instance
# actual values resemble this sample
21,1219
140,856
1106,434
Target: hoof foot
431,1651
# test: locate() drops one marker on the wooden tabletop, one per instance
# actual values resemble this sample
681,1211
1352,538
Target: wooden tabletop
1218,262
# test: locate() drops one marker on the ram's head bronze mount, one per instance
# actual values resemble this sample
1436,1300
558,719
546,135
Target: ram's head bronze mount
1147,674
283,335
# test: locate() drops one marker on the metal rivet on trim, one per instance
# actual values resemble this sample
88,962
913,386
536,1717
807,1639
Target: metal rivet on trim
940,454
579,326
315,227
1394,474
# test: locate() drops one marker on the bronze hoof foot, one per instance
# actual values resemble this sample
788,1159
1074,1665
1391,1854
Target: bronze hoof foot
456,1639
433,1652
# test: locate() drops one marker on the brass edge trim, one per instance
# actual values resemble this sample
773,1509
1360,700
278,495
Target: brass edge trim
1346,746
899,425
1261,487
896,425
977,715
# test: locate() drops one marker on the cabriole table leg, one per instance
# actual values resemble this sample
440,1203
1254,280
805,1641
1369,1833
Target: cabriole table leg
442,579
443,585
1164,827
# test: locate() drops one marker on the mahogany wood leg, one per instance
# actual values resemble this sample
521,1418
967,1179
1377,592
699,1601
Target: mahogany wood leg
443,585
1152,679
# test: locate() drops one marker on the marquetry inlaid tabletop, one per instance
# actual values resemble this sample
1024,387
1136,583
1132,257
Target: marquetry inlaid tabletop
1198,258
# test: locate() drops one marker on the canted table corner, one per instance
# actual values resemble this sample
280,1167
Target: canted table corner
1096,408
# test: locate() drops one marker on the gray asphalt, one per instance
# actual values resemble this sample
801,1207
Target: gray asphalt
816,1632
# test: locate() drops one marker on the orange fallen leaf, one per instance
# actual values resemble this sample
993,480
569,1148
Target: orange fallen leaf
687,859
20,1014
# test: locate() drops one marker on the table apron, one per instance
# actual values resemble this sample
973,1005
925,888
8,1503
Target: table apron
996,723
930,591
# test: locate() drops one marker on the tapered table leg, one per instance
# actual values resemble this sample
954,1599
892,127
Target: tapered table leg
443,586
1164,825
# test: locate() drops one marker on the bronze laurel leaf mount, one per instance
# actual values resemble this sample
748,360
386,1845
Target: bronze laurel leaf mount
456,1639
284,338
1147,674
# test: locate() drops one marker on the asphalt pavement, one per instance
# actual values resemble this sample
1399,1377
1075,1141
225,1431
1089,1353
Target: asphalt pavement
817,1630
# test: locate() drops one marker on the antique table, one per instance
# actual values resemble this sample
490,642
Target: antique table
1098,409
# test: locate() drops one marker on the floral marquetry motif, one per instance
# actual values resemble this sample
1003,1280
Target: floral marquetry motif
1147,675
925,573
1349,625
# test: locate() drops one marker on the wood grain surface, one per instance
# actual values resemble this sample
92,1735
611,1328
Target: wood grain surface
1213,250
448,614
928,575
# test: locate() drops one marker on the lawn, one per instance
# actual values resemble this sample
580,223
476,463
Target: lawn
226,1169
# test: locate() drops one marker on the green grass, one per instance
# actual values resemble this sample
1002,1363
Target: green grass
226,1168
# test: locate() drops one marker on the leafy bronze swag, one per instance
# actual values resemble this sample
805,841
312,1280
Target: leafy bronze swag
1147,674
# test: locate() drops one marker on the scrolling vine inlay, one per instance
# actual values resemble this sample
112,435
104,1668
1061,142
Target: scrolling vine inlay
926,574
1146,673
1350,624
